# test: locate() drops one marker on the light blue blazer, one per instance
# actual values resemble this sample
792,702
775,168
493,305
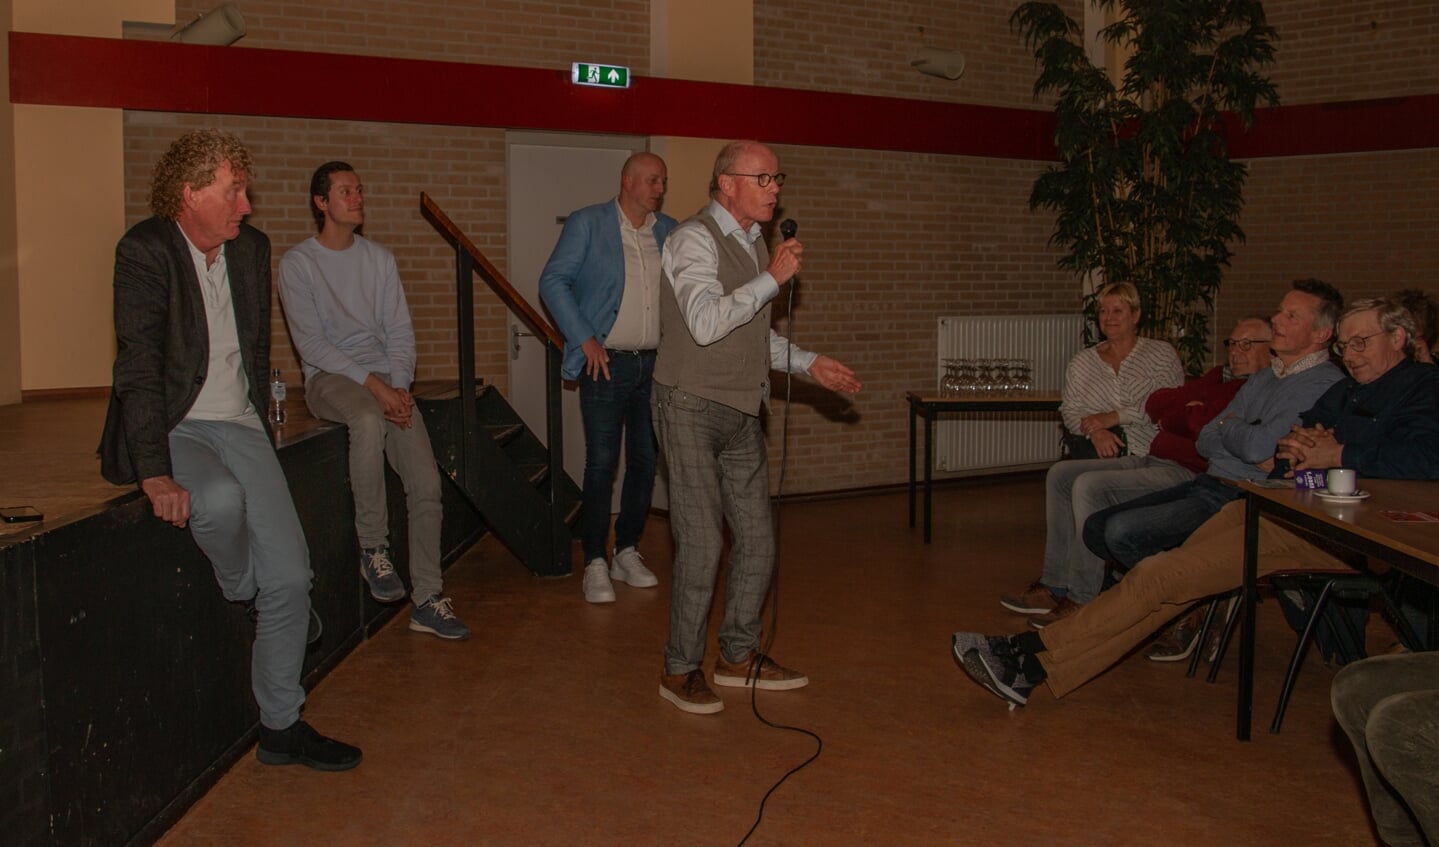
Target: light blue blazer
584,280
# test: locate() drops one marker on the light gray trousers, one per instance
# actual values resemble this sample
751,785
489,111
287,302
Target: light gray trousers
1077,488
243,519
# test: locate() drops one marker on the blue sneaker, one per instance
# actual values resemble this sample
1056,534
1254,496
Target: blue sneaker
379,572
437,617
993,662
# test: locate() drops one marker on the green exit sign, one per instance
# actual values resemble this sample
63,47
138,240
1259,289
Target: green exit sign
605,76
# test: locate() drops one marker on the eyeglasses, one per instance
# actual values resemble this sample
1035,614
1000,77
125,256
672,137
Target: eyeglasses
1244,343
763,179
1357,343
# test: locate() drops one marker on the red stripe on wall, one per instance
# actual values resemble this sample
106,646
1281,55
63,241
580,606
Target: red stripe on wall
161,76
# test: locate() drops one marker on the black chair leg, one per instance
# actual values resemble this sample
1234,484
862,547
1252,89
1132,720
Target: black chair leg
1231,622
1407,635
1297,659
1203,635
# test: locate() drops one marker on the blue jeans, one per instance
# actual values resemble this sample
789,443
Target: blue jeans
1133,531
614,408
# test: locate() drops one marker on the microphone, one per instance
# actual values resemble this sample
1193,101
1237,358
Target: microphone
787,229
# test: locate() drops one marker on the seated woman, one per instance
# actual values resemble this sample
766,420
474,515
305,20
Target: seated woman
1105,388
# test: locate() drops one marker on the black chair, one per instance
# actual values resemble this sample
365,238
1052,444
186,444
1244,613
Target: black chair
1320,587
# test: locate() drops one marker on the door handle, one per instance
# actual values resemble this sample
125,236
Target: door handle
515,334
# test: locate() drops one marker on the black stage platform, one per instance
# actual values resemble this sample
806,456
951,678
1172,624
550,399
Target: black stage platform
124,675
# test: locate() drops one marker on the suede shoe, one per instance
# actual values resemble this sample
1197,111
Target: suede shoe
1035,599
993,663
379,574
629,568
300,744
437,617
689,693
1063,609
597,586
758,670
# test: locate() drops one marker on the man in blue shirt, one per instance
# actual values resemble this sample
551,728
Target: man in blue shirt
602,286
1239,442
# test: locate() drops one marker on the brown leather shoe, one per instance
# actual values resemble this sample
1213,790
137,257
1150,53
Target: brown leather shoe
690,693
771,676
1035,599
1063,609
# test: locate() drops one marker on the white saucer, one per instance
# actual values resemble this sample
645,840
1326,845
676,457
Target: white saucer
1342,498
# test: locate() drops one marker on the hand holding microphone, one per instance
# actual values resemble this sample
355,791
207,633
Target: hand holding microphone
784,263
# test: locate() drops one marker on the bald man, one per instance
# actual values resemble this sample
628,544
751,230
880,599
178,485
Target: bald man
602,285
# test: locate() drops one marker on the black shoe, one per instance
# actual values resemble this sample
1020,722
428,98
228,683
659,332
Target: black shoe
312,633
300,744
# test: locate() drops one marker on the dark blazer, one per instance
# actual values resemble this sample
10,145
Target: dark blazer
163,341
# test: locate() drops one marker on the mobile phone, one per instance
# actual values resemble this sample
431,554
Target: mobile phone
20,514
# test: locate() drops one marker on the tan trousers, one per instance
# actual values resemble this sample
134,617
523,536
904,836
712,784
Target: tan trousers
1085,644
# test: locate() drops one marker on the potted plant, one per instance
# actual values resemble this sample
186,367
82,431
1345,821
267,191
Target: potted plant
1146,192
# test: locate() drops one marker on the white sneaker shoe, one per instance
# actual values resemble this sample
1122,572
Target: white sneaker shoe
629,567
597,583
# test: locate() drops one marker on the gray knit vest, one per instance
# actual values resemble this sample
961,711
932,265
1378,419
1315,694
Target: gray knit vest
735,369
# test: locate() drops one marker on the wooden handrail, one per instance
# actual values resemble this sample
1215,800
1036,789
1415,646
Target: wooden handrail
512,299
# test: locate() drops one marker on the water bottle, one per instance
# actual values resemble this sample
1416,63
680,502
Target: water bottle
277,398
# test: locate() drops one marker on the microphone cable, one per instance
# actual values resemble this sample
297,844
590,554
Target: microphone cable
774,585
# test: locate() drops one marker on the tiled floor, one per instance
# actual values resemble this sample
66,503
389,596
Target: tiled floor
547,729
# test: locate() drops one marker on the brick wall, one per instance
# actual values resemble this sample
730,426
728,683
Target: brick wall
548,33
1354,51
461,168
1363,223
865,48
893,240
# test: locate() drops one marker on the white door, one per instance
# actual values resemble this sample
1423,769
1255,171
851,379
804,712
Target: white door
549,177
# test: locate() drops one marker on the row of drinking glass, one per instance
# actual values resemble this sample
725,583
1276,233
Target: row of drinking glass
969,376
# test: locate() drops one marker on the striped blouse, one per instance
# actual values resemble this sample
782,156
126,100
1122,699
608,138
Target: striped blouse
1092,387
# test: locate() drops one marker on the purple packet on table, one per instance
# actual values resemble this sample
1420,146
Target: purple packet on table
1310,479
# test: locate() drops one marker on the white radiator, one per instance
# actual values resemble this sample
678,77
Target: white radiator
1004,441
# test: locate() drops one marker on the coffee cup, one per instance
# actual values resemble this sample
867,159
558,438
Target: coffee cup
1342,481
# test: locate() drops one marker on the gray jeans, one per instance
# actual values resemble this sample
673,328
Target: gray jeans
243,519
372,440
718,472
1077,488
1389,708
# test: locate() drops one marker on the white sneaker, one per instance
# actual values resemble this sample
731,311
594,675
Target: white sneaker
629,567
597,583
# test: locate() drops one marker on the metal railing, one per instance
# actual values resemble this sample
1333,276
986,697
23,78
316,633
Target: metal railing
468,262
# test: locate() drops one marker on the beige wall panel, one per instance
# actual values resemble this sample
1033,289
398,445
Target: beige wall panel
100,18
9,273
711,41
69,180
